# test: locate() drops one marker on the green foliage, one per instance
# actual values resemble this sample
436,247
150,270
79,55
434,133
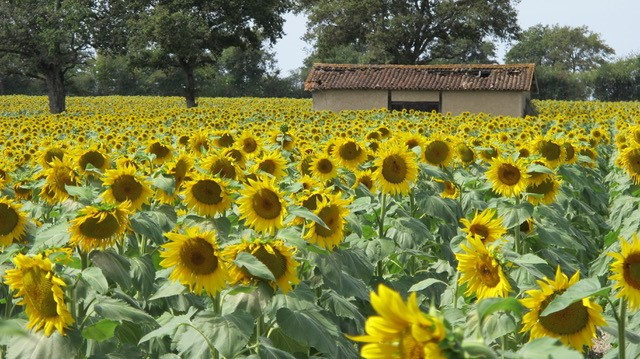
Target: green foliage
618,80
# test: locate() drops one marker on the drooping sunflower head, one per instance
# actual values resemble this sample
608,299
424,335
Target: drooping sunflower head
94,157
332,210
552,151
196,261
508,177
625,271
367,179
396,169
438,151
323,167
349,153
13,222
272,163
481,271
100,227
41,292
275,255
630,159
262,206
207,195
162,152
123,184
61,173
218,164
575,325
485,225
48,154
545,192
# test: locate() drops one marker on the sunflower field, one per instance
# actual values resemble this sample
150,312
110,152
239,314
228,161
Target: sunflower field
131,227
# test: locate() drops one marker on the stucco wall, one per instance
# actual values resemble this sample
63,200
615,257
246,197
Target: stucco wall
337,100
427,96
498,103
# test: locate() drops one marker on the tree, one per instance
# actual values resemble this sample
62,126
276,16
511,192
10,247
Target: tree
407,32
618,81
574,49
190,34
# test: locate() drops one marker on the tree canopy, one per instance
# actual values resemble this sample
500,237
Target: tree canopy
574,49
409,32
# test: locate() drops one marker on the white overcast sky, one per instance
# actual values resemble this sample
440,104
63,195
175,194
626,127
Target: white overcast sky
617,22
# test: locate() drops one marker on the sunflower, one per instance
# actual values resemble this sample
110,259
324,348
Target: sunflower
546,191
464,153
41,292
100,227
449,189
178,169
484,225
13,225
412,140
60,174
272,163
199,143
275,255
221,165
50,153
223,139
539,175
630,159
207,195
262,206
438,151
400,330
551,151
196,261
508,177
161,151
349,153
575,325
626,271
323,168
333,211
249,143
124,185
366,178
396,169
92,156
481,271
5,173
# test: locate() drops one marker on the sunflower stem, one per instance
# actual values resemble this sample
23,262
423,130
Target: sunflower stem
383,212
412,203
621,330
516,235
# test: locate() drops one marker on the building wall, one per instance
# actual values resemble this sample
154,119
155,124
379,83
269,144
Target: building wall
498,103
407,95
337,100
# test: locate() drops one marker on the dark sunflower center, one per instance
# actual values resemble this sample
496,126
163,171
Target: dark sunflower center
266,204
179,171
366,181
570,320
38,292
488,272
53,153
226,140
411,143
224,168
160,150
350,151
95,158
198,256
305,166
93,227
479,230
569,150
126,187
449,188
324,166
249,145
509,174
436,152
525,227
311,203
331,217
631,270
465,153
542,188
207,192
634,160
183,140
267,166
9,219
276,262
3,174
549,150
394,169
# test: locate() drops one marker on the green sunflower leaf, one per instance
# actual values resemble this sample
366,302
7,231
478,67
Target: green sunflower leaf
309,327
489,306
100,331
582,289
303,212
253,266
424,284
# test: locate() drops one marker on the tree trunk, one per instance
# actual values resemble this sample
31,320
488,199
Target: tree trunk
55,89
190,88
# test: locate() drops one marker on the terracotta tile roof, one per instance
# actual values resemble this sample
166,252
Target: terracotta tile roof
512,77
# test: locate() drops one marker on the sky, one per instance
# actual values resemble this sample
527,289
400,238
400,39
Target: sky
616,21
